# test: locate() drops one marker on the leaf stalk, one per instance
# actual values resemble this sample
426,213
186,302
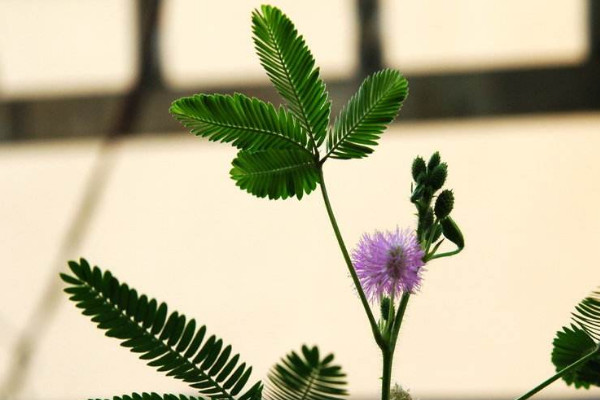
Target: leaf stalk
338,235
560,373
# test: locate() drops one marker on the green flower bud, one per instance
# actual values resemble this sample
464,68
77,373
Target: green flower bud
452,232
437,177
385,308
444,204
434,161
419,169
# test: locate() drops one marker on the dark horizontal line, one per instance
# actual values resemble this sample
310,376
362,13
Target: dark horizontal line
432,96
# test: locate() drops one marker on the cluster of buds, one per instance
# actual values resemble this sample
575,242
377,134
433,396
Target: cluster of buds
434,219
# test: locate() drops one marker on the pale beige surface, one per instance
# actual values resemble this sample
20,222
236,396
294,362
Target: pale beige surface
438,35
267,276
210,43
66,47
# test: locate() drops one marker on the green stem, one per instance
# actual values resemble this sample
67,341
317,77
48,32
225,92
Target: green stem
398,320
376,333
431,234
447,254
388,351
386,380
559,374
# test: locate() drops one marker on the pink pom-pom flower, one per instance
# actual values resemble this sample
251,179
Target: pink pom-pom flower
388,263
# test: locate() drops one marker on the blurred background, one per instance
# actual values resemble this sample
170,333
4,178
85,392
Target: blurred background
92,165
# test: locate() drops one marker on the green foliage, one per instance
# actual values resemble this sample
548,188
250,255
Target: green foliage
246,123
168,341
306,376
261,131
367,114
275,173
578,340
291,68
153,396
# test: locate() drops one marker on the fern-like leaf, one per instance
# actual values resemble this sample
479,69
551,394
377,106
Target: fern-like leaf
247,123
275,173
291,68
580,339
152,396
362,121
306,376
168,341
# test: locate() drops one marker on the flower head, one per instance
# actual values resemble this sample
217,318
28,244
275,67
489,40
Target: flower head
388,263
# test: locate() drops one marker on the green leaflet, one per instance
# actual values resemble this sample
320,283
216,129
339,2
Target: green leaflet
153,396
306,377
291,68
168,341
367,114
247,123
579,339
275,173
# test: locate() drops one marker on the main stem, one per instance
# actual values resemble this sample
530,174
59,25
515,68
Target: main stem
559,374
365,303
388,351
386,379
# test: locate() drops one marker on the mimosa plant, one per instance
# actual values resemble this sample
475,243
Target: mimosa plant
282,151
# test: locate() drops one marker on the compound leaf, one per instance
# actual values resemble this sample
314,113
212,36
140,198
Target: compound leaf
162,338
578,340
152,396
306,376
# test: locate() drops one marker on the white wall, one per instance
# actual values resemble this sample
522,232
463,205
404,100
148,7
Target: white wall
66,47
267,276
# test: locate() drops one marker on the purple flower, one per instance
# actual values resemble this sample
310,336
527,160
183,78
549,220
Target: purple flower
388,263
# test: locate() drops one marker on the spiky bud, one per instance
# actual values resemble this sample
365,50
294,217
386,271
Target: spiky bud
434,161
437,177
385,308
444,204
419,169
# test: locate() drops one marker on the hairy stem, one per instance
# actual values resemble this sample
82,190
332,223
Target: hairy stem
363,298
398,320
386,379
559,374
388,351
